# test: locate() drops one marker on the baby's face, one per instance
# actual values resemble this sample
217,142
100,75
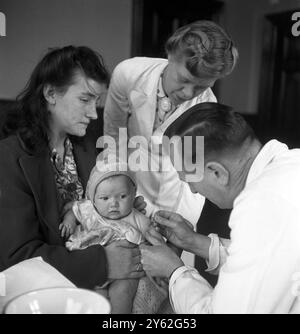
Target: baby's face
114,197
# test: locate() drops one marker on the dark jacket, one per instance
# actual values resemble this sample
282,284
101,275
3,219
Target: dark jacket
30,215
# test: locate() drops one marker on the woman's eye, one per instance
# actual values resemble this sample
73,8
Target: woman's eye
104,198
123,196
84,100
183,80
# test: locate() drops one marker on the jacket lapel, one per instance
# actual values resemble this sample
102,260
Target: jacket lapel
39,173
85,154
144,99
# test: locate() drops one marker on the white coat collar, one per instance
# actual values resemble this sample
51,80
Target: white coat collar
266,155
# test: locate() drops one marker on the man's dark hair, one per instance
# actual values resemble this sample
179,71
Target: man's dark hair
221,127
57,68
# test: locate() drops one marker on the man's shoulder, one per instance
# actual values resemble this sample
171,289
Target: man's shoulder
275,191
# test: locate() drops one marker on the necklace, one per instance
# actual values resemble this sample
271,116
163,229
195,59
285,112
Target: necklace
164,102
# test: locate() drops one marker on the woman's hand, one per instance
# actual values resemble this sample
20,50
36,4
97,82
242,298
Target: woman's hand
140,204
124,260
175,229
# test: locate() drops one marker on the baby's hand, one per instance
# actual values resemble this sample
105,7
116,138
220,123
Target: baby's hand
67,208
68,226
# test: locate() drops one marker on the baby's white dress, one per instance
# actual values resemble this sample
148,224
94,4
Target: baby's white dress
97,230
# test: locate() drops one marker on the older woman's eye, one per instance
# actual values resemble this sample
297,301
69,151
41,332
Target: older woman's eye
123,196
104,198
85,100
197,88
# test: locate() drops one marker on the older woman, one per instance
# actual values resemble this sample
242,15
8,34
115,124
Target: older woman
45,163
148,94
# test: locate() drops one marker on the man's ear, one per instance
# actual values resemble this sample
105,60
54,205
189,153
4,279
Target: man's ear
49,93
217,173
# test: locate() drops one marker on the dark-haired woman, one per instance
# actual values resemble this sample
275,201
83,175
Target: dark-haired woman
45,163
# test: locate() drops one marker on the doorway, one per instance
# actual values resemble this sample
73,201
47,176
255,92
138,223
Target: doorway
279,102
155,20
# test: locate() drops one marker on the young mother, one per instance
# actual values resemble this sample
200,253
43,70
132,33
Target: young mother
45,163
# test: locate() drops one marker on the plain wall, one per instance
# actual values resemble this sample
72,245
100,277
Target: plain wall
105,25
244,21
35,25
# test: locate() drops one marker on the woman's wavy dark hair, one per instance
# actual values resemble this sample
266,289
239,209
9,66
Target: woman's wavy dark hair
30,118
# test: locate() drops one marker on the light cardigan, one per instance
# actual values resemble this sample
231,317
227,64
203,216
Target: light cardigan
262,270
131,103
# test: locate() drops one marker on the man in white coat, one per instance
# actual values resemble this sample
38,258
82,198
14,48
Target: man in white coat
259,268
148,94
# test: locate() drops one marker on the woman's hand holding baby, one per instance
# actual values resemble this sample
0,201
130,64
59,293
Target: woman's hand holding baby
123,260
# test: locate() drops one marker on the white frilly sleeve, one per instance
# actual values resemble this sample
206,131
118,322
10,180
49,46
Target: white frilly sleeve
85,213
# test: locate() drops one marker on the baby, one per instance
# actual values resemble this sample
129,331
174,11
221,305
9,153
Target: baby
107,215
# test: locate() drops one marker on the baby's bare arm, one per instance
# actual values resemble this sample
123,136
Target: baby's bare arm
68,225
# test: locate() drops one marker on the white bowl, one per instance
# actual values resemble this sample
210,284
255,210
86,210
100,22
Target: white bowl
59,301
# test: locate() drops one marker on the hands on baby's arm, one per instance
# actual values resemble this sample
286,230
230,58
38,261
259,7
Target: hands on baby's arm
153,231
69,223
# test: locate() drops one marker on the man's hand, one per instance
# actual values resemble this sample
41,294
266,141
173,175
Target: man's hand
158,260
124,260
140,204
175,229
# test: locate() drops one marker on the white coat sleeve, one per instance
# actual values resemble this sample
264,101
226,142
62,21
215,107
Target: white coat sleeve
256,276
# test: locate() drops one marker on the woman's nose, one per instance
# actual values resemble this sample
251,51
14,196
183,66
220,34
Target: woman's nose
92,112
